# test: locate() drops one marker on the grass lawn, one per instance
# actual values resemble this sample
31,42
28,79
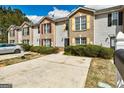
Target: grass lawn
101,70
15,60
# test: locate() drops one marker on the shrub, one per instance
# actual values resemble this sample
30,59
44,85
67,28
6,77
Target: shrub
89,51
92,50
48,50
26,47
35,48
106,53
44,50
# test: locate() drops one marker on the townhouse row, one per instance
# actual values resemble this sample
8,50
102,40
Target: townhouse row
82,26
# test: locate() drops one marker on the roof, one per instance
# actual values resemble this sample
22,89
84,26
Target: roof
28,23
36,19
13,26
60,19
44,18
84,8
110,9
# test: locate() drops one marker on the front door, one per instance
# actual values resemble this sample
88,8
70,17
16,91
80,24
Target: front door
66,42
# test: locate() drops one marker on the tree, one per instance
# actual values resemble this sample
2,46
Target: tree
9,16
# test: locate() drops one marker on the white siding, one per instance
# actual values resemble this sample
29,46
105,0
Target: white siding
36,37
60,34
8,37
102,31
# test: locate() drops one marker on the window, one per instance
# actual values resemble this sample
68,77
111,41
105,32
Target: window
80,23
83,22
47,28
47,42
12,41
26,41
77,23
115,18
12,33
80,40
25,31
10,45
2,45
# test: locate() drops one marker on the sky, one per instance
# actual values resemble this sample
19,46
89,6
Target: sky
41,10
36,12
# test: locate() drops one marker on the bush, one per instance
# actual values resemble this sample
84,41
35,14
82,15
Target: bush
74,50
89,51
35,49
44,50
26,47
92,50
106,53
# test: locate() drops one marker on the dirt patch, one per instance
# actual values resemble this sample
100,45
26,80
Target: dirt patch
29,56
101,70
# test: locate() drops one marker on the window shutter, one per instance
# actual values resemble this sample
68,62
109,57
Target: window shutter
73,24
109,19
50,42
41,42
41,29
120,18
50,27
88,22
28,31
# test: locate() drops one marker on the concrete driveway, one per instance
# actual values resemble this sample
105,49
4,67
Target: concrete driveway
54,71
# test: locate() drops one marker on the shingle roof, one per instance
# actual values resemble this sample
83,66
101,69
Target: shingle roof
110,9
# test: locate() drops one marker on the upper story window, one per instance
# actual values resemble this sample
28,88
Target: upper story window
25,31
115,18
12,33
80,23
47,28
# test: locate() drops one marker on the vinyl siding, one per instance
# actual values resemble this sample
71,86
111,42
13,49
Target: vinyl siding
102,31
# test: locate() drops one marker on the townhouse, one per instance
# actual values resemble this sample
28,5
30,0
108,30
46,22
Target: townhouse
82,26
47,29
14,34
27,33
61,35
108,22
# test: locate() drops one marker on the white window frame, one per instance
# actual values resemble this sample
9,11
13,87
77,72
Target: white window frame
46,28
117,15
80,38
80,23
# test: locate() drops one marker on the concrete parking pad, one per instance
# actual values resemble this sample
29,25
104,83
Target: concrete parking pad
53,70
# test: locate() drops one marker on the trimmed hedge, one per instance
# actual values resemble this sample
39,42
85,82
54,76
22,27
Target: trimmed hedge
44,50
40,49
26,47
89,51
